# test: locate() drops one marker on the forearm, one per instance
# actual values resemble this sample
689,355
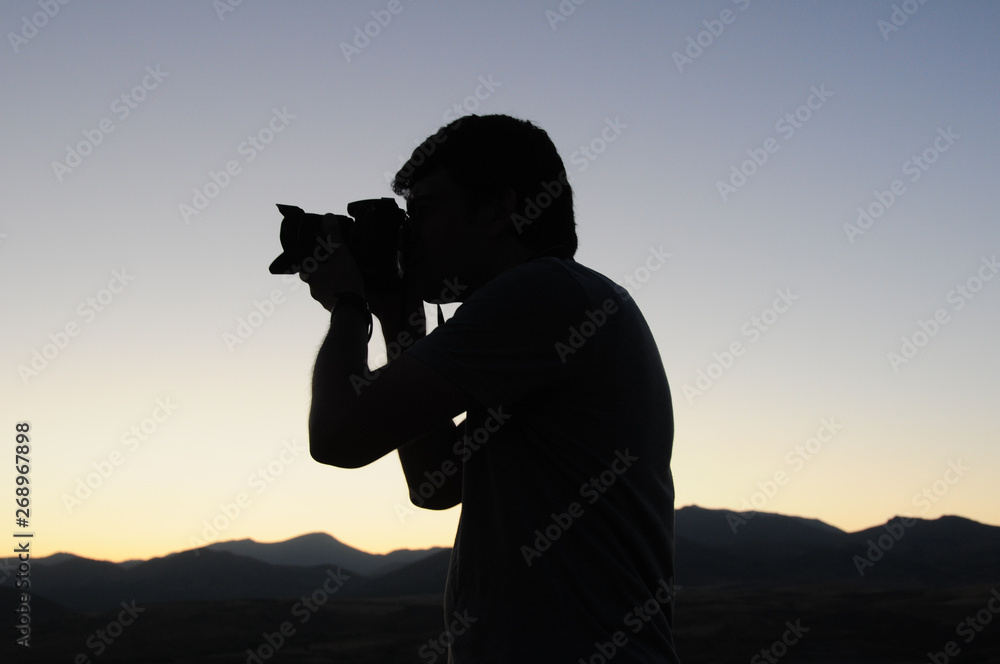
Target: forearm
433,473
340,375
357,415
432,469
340,434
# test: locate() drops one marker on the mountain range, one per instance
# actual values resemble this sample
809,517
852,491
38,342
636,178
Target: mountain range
714,548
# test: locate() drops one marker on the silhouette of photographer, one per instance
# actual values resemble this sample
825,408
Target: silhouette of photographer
564,550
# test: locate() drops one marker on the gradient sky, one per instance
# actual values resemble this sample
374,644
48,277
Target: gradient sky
834,100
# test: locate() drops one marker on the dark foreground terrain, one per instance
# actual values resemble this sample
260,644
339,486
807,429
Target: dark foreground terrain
801,624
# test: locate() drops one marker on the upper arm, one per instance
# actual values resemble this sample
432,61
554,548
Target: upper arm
433,467
391,406
502,344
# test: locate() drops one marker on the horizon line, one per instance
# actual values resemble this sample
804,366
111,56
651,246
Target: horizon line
404,548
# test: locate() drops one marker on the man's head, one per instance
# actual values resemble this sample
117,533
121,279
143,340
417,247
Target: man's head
502,176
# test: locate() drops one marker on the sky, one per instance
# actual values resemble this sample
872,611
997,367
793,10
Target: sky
801,196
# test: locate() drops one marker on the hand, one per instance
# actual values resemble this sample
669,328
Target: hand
337,273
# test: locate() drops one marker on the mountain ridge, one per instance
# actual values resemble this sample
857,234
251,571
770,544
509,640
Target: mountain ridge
714,548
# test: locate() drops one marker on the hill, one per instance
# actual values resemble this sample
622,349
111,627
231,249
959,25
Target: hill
322,549
718,547
714,548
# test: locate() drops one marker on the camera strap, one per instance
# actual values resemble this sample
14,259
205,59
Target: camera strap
351,298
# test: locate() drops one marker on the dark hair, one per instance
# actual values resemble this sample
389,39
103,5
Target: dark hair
488,154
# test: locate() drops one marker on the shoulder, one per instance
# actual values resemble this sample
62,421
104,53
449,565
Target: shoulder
556,282
540,302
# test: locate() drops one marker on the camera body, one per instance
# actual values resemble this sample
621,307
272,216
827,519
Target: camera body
373,233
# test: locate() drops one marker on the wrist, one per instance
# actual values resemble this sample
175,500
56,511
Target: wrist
350,298
352,304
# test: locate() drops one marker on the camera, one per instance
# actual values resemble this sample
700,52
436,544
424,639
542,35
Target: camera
373,232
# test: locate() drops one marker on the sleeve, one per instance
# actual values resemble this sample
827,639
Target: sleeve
505,342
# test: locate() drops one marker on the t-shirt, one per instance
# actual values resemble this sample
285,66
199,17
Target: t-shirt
564,547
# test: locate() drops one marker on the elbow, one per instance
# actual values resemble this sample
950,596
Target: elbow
328,457
434,503
334,449
441,498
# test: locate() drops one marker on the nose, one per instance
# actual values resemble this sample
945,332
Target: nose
409,232
404,242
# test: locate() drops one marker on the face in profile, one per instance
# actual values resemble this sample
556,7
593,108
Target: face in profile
445,241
